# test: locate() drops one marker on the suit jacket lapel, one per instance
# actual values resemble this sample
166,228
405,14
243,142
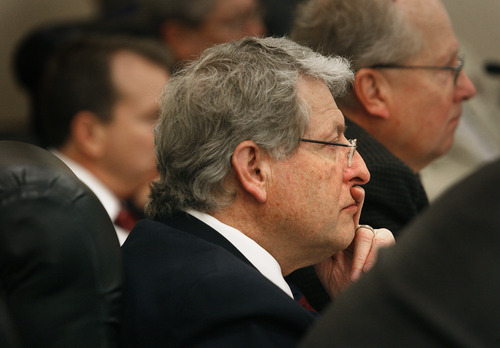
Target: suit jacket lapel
193,226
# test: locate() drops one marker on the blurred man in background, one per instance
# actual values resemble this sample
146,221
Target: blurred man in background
188,27
98,106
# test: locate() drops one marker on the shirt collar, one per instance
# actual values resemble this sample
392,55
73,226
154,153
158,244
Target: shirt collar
111,203
258,256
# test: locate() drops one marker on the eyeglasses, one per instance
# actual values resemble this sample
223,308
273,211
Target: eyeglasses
352,145
457,69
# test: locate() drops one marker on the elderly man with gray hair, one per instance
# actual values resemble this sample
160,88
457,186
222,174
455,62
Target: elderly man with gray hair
404,105
408,92
256,181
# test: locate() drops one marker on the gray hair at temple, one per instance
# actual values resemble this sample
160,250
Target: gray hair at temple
237,91
367,32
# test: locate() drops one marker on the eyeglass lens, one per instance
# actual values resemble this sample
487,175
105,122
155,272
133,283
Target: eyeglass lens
352,149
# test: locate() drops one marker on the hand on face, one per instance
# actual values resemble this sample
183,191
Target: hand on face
340,270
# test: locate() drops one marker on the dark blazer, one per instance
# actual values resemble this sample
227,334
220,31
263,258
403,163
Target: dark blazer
437,287
187,286
394,196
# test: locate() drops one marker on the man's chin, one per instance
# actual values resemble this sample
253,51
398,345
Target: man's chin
348,233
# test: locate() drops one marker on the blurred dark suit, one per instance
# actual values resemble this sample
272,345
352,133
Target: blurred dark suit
439,286
394,194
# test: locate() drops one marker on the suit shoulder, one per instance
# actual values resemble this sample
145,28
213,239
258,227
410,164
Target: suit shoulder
188,290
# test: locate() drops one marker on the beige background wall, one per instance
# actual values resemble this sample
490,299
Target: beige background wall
477,140
18,17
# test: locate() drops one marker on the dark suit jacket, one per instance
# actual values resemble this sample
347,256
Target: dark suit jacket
394,196
438,286
186,285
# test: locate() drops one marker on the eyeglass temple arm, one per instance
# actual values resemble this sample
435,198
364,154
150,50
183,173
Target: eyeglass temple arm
327,143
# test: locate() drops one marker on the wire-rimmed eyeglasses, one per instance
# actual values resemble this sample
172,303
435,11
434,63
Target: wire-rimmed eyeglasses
457,69
353,144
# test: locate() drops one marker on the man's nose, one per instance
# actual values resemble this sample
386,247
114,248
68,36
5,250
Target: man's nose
357,172
465,89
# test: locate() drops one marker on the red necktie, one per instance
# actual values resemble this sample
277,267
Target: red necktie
300,298
126,219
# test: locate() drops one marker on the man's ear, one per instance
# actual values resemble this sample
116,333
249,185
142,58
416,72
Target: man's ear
88,133
371,88
251,166
179,37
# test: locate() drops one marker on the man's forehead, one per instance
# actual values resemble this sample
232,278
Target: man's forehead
335,127
329,124
325,116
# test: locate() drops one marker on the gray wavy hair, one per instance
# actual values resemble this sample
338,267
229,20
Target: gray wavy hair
367,32
237,91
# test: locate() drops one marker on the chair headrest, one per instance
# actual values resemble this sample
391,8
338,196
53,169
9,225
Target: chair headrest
25,164
59,253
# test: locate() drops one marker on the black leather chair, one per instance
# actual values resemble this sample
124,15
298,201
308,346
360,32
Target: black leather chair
60,260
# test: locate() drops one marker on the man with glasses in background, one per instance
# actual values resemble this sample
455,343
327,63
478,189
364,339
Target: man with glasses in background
256,180
405,103
188,27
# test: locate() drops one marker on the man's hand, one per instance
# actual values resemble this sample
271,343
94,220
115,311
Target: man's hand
340,270
344,267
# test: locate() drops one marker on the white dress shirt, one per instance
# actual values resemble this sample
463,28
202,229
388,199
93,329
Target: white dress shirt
110,202
258,256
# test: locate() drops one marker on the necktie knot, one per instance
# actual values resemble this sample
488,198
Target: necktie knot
300,298
126,219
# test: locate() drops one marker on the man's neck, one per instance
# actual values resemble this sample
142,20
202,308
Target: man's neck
119,189
383,133
258,256
258,224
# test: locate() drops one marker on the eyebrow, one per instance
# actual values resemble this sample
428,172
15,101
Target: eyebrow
341,128
453,55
